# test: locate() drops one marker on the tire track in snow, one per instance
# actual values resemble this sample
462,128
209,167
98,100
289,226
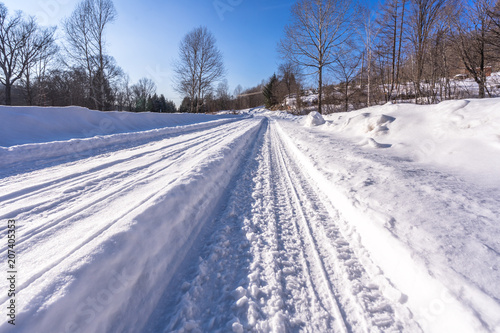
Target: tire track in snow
290,301
240,281
103,206
206,301
49,182
359,298
58,200
316,271
329,290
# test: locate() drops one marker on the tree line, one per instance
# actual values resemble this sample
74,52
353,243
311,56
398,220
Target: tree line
36,70
400,50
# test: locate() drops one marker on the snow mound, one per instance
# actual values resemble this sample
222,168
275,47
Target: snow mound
378,124
368,124
314,119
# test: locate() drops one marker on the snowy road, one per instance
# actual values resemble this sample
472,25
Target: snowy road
237,227
278,261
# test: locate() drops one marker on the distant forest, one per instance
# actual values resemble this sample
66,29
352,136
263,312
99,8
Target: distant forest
351,55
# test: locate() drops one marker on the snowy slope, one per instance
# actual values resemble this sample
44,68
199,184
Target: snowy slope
264,222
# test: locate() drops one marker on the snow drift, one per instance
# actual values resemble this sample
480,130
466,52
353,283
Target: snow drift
462,135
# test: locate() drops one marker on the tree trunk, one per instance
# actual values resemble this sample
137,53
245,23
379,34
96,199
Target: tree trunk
398,65
8,92
29,92
482,63
394,45
482,93
101,76
320,90
346,97
368,100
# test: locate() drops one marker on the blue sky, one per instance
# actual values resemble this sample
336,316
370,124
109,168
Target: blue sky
145,37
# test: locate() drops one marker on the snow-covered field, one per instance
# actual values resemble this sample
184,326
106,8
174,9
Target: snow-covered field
385,219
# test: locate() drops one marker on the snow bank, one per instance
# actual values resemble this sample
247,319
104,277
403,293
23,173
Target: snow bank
463,135
23,125
33,134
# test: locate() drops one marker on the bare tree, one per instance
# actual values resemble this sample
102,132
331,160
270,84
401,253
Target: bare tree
124,94
22,44
442,58
290,76
317,30
237,98
369,33
11,43
424,16
37,68
200,65
494,36
222,95
86,46
346,70
391,25
471,33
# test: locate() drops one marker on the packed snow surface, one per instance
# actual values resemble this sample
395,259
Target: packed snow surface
385,219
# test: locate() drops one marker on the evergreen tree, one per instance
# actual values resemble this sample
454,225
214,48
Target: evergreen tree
149,104
186,105
163,104
170,107
155,101
269,91
140,104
